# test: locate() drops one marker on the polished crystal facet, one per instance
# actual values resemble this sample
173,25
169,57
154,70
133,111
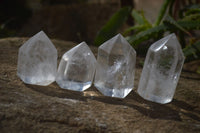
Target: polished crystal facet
37,60
161,70
76,69
116,67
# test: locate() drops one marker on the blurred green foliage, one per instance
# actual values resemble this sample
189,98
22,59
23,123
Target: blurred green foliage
173,17
111,27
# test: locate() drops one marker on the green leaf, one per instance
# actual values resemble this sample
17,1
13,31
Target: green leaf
190,25
189,10
139,18
192,17
146,35
192,52
192,11
135,40
171,21
111,27
137,28
162,11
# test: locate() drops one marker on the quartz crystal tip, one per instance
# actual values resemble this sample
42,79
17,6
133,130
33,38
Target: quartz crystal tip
37,60
161,71
116,67
76,69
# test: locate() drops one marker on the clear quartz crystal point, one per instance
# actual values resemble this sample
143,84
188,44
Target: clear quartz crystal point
76,69
116,67
161,70
37,60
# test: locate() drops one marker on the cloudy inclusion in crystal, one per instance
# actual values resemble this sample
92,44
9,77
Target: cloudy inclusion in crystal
161,70
37,60
76,69
116,67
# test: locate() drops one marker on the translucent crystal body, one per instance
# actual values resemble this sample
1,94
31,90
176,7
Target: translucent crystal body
161,70
76,69
37,60
116,67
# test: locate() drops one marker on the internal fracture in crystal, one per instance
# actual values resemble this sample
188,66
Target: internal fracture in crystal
161,70
116,67
37,60
76,69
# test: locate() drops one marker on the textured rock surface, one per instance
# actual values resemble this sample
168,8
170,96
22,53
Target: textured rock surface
29,108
